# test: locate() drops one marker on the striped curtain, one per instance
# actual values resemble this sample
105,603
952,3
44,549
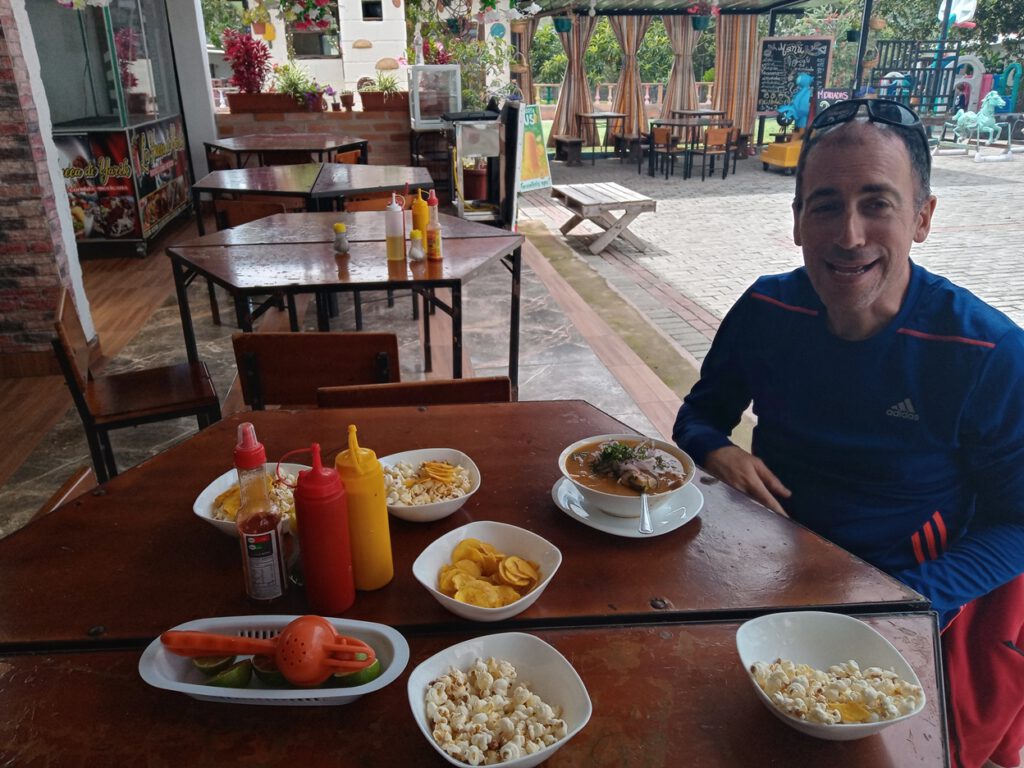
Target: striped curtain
526,41
629,97
574,98
681,92
736,69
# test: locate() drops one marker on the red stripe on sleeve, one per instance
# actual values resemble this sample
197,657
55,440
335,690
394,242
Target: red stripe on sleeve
783,305
935,337
940,526
918,552
929,537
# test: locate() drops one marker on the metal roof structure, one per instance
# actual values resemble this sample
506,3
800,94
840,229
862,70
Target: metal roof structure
668,7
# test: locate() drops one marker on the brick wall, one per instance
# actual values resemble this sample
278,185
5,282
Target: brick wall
33,261
387,132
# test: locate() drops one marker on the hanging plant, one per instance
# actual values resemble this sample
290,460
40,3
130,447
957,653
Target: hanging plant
563,24
307,14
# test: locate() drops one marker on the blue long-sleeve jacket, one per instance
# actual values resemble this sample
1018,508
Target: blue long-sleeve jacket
906,448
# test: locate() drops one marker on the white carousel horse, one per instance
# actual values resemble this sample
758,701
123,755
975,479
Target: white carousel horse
966,123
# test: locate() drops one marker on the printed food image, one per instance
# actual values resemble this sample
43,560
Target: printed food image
486,715
533,157
431,481
480,575
115,216
625,467
842,694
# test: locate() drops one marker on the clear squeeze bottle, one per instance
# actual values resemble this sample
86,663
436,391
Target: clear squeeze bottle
321,511
433,241
394,230
259,521
363,476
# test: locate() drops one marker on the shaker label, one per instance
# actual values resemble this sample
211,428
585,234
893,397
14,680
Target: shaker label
264,565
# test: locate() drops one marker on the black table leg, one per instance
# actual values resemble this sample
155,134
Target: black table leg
199,212
457,331
513,326
181,276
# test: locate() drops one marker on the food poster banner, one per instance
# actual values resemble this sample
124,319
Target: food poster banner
98,178
534,170
161,172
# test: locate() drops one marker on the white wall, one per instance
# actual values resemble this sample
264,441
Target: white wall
189,39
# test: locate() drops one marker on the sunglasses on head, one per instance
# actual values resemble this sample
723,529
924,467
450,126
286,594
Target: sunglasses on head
879,111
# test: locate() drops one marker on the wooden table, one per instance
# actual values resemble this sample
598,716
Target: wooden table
684,113
320,143
690,127
595,202
595,117
294,254
101,561
313,182
663,695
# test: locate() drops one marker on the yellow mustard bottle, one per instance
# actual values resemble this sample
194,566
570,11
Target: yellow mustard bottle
370,537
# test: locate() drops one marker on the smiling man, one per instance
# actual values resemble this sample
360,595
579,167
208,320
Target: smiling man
890,408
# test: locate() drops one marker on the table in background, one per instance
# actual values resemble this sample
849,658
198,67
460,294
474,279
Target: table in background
127,562
313,182
595,202
690,127
320,143
662,695
595,117
266,256
698,113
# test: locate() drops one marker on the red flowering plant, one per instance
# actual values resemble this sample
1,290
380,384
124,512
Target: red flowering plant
126,45
308,14
703,8
249,59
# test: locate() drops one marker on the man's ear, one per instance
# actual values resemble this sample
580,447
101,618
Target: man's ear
796,223
924,219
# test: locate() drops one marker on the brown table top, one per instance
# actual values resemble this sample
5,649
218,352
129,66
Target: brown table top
662,695
697,112
272,179
316,228
131,559
300,142
338,179
262,267
601,115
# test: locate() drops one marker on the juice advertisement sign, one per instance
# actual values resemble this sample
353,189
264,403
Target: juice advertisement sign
98,179
534,170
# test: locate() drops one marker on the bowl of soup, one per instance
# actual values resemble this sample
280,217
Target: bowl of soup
611,472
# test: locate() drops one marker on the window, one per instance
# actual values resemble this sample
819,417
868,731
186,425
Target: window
317,43
373,10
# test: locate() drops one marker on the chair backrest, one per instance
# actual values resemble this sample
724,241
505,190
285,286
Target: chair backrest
485,389
70,342
351,157
288,368
373,201
716,138
217,160
661,136
231,213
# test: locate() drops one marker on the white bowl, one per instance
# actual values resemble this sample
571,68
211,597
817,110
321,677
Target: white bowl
506,538
820,639
626,506
424,513
545,671
203,505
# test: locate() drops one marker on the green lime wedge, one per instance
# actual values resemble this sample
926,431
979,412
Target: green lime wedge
211,665
267,672
236,676
359,677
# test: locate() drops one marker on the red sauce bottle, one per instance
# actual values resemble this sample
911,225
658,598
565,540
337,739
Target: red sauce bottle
259,521
321,512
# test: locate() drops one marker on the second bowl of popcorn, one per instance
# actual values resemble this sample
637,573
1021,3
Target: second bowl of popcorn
428,484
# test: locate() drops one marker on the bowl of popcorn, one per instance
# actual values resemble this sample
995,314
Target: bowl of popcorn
487,571
429,483
528,701
218,503
827,675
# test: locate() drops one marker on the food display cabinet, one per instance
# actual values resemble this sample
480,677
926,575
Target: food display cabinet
117,124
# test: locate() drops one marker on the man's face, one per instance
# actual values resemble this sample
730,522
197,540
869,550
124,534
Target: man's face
856,226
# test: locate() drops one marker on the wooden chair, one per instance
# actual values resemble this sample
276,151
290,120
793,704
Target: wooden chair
716,144
486,389
349,158
288,368
663,143
217,159
106,403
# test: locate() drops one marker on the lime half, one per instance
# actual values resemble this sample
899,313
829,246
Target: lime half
359,677
267,672
236,676
211,665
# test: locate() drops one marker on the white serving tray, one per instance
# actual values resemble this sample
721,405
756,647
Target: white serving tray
163,669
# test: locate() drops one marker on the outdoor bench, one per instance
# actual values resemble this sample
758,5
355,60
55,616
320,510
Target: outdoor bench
569,149
595,202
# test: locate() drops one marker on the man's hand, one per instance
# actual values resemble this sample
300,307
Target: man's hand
749,474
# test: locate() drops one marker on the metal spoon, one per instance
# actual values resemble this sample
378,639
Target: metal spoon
645,515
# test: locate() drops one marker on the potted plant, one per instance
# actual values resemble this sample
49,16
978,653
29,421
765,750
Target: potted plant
294,81
701,13
257,17
250,64
348,100
382,94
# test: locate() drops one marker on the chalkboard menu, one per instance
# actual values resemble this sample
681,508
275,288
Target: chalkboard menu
782,58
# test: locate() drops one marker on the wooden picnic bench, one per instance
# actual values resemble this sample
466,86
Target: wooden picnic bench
596,202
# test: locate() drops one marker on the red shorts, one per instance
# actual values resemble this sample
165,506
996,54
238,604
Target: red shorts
983,652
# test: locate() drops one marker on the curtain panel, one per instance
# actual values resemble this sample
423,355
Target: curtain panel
681,91
574,98
526,40
629,97
736,69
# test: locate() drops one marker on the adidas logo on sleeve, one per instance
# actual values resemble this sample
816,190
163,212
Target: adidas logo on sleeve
904,410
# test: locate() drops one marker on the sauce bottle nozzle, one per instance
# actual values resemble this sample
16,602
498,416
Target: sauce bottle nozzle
249,452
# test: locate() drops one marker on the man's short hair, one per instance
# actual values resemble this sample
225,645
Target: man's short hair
920,159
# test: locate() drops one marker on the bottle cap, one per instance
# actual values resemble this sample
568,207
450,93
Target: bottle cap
354,460
432,198
320,482
340,227
415,235
393,205
249,452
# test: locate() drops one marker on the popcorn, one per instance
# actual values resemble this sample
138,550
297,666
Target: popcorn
411,486
486,715
843,694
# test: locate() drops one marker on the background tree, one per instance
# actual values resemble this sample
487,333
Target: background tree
219,15
828,21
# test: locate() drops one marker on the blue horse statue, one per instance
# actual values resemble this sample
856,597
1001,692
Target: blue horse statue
984,121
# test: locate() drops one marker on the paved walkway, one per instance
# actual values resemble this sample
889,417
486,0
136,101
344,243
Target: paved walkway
709,240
